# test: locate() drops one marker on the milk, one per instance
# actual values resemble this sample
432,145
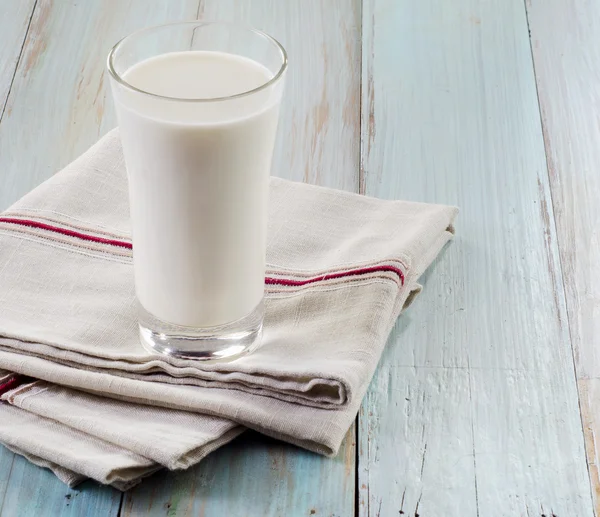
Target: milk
198,183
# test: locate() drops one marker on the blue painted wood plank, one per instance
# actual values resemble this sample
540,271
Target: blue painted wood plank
6,463
566,51
15,16
474,408
253,475
33,492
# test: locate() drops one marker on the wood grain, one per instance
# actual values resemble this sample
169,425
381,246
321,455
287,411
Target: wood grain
14,22
252,476
474,407
566,49
6,463
589,401
35,492
415,449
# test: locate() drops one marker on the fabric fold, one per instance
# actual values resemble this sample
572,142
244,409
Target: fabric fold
340,269
63,449
77,428
171,438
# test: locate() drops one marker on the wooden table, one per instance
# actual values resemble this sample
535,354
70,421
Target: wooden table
486,402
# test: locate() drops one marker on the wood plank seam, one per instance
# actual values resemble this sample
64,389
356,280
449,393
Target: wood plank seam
545,137
5,103
362,156
473,436
18,61
361,190
7,478
356,460
200,10
121,501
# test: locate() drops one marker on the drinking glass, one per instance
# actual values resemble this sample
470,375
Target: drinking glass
198,104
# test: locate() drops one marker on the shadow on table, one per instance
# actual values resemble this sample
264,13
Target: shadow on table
253,471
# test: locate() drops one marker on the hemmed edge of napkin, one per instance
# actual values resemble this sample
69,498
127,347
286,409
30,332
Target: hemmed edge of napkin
23,396
195,456
67,376
133,467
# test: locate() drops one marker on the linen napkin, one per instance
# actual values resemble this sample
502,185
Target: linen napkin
340,269
115,443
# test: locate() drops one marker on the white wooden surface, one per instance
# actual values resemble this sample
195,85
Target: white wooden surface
565,36
474,408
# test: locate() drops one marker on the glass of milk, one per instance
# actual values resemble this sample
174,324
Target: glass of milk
198,104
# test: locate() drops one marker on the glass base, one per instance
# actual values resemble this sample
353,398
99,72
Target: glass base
222,343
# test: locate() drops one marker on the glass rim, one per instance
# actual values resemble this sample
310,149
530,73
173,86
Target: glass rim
117,77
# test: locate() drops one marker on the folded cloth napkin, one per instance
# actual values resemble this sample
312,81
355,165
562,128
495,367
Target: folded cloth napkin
8,381
340,269
113,442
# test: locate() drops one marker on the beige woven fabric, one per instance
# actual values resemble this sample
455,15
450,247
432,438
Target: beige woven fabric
69,453
340,269
145,438
172,438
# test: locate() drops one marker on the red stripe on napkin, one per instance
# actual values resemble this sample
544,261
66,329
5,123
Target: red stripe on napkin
11,383
71,233
269,280
332,276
